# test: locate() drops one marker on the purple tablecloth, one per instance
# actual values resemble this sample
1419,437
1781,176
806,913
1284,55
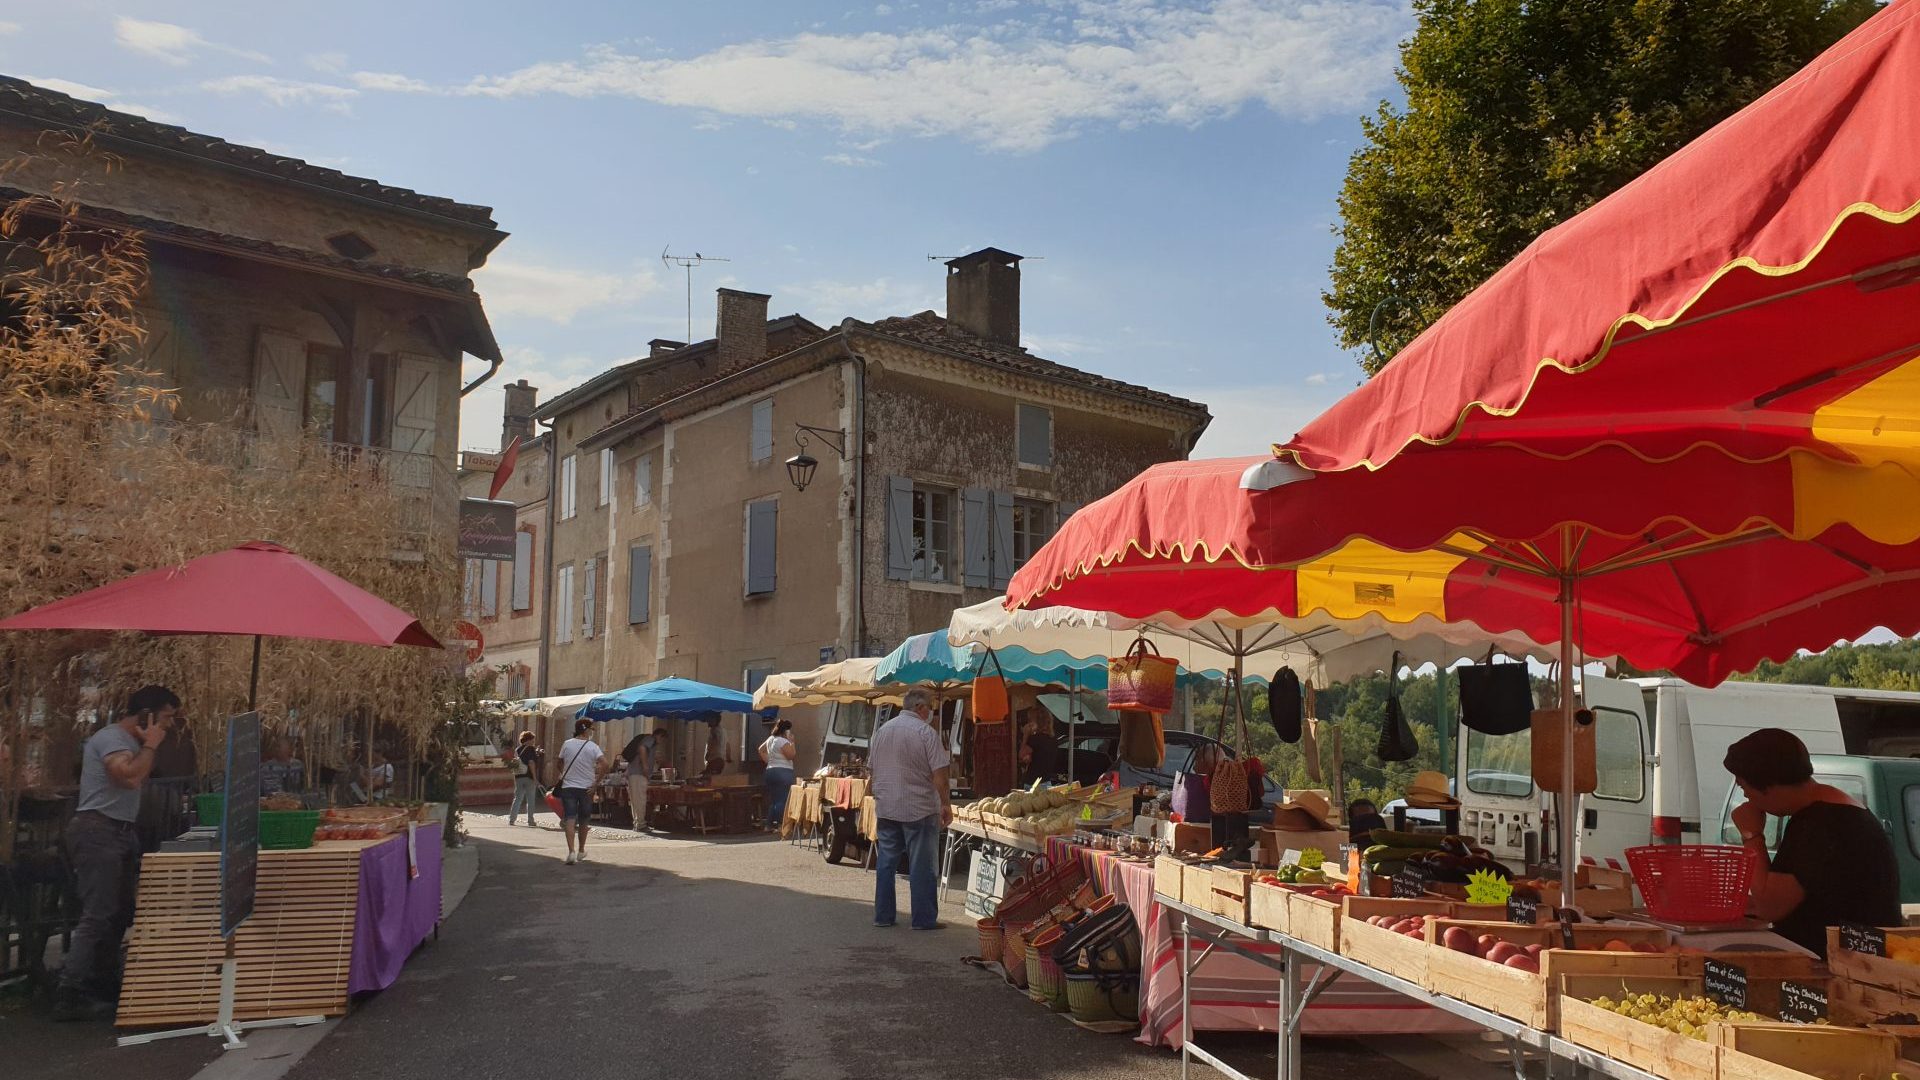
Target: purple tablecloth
396,911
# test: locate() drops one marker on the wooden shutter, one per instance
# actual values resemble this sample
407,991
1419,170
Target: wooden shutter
569,485
639,584
762,533
416,403
976,521
587,598
489,588
279,382
1061,512
899,529
1002,538
563,607
762,446
470,588
522,571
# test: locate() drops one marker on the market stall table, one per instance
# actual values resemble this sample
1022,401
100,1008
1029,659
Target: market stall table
1234,992
698,808
332,920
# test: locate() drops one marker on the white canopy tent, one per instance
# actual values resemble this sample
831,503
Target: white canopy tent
849,680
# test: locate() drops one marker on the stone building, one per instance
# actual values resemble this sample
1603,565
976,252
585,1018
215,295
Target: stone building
946,454
506,601
282,295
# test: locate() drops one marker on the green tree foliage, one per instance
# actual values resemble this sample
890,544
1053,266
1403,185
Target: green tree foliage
1519,115
1894,666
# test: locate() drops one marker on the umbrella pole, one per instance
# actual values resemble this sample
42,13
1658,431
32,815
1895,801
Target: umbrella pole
253,683
1569,798
1073,721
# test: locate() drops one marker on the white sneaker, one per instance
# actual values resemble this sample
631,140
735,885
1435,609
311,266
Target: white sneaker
572,858
583,855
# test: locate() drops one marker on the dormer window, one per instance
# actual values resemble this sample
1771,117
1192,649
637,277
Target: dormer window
351,244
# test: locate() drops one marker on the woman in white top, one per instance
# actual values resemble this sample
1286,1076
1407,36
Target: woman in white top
777,752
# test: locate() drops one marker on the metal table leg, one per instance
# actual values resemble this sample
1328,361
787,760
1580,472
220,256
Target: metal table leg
1186,993
1291,1014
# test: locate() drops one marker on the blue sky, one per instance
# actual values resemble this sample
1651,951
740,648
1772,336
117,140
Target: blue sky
1174,166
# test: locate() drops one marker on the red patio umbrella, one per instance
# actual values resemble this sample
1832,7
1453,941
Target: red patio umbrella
258,589
1758,290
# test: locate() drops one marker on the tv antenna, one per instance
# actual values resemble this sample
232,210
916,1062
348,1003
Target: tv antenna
687,263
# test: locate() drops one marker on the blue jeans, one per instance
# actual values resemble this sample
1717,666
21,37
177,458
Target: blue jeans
779,783
919,843
526,796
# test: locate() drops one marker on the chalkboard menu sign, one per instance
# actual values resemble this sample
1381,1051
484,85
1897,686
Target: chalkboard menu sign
1870,940
1410,883
1726,984
1522,909
1801,1003
240,824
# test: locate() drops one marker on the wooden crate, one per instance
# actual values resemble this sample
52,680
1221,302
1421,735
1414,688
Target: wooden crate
1524,995
294,952
1314,921
1657,1050
1377,947
1882,971
1196,885
1229,892
1860,1005
1797,1051
1167,875
1267,906
1765,972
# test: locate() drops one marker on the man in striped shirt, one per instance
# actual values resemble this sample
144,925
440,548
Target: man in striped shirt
913,806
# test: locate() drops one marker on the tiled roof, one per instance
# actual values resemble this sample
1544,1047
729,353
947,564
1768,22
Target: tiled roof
560,404
159,230
59,110
933,331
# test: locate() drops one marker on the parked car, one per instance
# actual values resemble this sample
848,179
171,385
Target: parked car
1096,752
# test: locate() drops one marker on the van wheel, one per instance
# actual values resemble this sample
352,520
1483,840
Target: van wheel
835,848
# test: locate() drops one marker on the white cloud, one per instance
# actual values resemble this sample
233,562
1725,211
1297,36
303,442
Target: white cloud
1119,63
9,27
481,411
555,293
1250,419
883,9
172,43
283,91
387,81
332,63
852,161
1060,347
827,301
101,95
1318,378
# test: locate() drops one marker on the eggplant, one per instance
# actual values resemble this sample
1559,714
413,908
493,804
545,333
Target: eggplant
1475,863
1456,844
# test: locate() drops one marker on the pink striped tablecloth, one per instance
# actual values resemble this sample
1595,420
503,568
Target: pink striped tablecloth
1231,992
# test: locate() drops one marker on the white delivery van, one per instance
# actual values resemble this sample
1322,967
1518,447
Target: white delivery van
1658,748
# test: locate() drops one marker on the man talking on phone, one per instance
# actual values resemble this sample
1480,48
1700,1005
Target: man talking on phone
105,849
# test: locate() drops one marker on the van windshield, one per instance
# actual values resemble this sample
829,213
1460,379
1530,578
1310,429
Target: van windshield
1500,764
853,720
1854,786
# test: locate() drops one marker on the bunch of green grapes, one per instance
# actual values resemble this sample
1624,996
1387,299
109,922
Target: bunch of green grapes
1687,1016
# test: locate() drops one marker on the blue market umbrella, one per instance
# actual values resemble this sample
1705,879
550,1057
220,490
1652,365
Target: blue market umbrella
675,698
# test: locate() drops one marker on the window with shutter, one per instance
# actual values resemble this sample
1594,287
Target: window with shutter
643,481
1035,436
606,476
489,589
762,537
639,584
976,510
762,445
899,528
1002,539
587,598
416,403
279,382
1032,525
563,606
569,470
522,570
933,539
470,589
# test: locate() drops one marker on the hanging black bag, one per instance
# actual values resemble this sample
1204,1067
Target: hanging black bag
1396,737
1496,699
1284,705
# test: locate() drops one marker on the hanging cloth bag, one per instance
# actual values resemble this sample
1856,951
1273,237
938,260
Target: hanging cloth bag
1230,789
991,703
1190,798
1143,743
1284,705
1396,736
1495,699
1141,679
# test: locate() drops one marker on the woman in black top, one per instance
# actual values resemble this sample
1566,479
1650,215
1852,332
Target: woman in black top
1834,864
1042,746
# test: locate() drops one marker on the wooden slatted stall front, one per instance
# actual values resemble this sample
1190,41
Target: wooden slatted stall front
294,953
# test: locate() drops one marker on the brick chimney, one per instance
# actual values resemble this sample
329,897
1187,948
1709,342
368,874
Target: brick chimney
741,328
661,346
983,295
519,413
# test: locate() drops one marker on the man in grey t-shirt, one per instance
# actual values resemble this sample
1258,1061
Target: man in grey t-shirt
105,849
913,806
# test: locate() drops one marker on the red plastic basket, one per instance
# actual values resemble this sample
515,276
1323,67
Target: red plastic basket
1693,883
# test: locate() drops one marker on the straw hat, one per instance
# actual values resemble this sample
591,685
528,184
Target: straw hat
1304,811
1429,792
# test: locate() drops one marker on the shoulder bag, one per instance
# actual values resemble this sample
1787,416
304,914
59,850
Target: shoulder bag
991,704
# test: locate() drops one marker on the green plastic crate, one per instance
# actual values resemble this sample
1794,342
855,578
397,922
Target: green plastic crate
210,808
282,829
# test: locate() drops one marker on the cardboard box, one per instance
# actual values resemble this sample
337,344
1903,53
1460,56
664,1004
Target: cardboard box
1275,843
1193,839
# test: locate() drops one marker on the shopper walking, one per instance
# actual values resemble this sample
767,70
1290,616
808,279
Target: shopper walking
912,802
778,753
525,765
105,849
639,757
582,764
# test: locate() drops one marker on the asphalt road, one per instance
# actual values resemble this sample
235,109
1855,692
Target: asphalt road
727,959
